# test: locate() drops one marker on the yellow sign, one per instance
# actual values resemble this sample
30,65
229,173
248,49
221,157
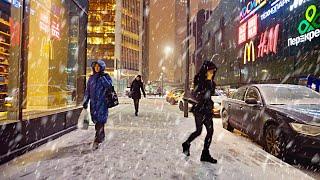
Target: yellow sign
249,53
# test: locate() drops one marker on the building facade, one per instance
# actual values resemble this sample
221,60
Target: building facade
128,41
42,71
270,42
115,35
196,52
145,40
101,33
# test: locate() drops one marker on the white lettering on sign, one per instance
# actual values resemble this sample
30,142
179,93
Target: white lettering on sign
297,3
275,7
303,38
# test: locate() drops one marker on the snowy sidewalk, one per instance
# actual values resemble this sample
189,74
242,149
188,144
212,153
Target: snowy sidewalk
147,147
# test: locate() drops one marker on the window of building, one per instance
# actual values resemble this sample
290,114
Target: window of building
52,69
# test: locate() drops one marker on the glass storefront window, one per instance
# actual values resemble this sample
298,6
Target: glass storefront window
10,39
52,66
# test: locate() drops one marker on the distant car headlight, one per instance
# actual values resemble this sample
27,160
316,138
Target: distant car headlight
306,129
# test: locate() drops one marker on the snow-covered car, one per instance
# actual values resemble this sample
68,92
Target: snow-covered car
217,100
283,118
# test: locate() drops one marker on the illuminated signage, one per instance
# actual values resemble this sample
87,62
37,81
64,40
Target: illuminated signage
297,3
242,33
15,32
248,30
309,28
268,41
249,53
250,8
15,3
252,27
49,26
275,6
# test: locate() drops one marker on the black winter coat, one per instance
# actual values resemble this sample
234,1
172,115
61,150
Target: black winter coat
203,91
135,89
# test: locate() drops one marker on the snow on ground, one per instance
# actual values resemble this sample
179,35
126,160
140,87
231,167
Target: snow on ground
147,147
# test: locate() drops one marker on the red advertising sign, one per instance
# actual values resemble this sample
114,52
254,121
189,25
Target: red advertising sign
242,33
248,30
268,41
252,27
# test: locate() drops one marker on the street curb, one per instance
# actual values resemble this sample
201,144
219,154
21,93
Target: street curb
18,152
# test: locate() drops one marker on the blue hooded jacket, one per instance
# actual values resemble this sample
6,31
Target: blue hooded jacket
97,86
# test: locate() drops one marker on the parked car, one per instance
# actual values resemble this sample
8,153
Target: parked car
284,119
217,100
176,96
173,95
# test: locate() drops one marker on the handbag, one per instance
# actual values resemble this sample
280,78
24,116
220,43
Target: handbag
192,99
112,98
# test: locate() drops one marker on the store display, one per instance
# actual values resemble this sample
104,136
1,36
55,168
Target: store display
4,51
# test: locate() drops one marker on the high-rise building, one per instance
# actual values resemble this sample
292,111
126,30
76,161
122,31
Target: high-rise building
101,32
128,49
145,40
115,36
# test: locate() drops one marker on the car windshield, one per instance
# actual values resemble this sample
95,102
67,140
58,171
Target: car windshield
282,95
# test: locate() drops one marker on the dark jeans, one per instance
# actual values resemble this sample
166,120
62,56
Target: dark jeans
136,104
99,132
206,120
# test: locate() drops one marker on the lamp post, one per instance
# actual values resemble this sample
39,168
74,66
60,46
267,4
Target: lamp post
186,83
162,83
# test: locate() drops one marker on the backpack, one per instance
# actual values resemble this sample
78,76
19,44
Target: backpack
111,97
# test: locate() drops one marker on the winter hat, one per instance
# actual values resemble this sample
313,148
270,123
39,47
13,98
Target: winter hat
209,65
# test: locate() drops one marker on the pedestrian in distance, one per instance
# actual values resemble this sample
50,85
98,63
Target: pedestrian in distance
135,92
98,84
202,109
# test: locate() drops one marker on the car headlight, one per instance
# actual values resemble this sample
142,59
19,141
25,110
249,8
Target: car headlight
306,129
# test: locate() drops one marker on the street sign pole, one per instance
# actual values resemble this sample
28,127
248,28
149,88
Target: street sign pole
186,83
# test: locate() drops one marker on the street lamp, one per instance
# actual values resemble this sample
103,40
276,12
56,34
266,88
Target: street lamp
167,51
162,74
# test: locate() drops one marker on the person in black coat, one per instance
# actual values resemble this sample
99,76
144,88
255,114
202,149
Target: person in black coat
204,88
135,92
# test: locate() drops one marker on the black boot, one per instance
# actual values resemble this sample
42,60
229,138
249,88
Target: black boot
186,148
206,157
136,113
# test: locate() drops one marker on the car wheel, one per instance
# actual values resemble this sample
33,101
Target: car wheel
225,121
274,141
181,106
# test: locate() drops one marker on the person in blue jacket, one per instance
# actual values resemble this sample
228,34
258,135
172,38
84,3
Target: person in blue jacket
98,83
